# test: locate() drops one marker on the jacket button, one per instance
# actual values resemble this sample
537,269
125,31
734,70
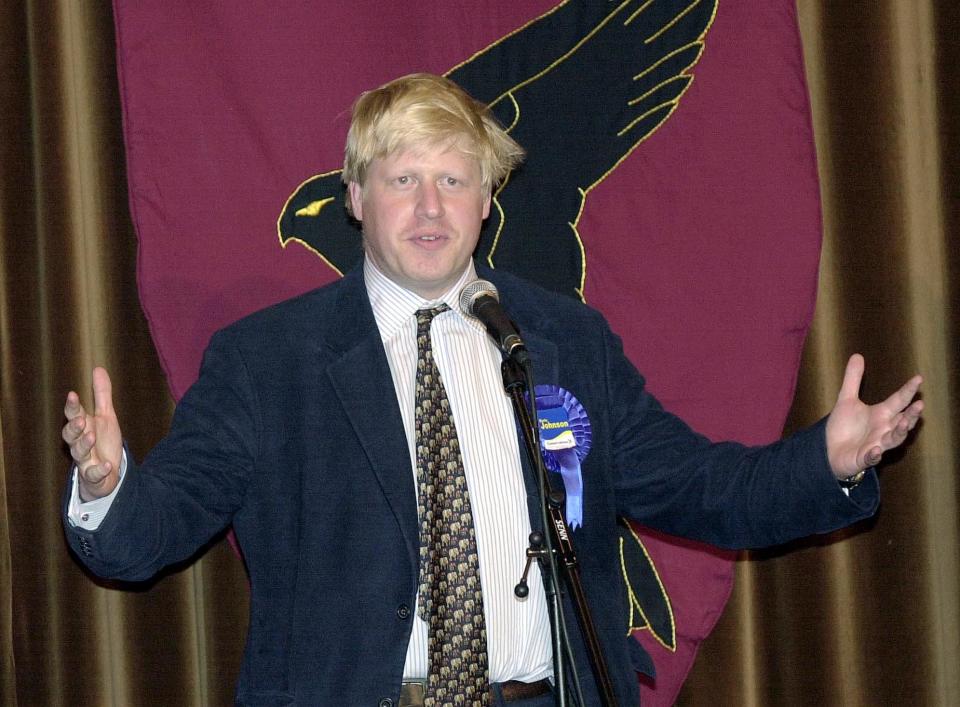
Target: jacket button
385,702
403,611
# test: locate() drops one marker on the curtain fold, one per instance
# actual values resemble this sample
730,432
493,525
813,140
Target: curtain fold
8,668
870,615
69,302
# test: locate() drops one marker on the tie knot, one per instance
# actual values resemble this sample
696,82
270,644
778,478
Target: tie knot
425,316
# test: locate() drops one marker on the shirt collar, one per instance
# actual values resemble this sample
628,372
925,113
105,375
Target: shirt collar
394,305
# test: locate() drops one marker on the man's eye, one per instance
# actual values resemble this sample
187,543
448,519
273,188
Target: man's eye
452,181
403,179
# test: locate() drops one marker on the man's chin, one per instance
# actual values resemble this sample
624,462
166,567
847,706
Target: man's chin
432,284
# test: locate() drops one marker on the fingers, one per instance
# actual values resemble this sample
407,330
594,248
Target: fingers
852,377
895,435
902,397
82,447
102,392
95,474
911,416
901,425
72,408
872,457
80,430
74,428
95,481
73,432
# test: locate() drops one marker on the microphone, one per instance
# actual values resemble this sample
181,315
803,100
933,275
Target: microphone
481,300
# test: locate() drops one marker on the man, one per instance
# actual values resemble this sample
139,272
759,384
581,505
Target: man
312,429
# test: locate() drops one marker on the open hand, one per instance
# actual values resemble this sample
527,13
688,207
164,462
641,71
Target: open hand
95,441
858,434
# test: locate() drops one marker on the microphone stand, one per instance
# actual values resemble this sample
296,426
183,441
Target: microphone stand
554,550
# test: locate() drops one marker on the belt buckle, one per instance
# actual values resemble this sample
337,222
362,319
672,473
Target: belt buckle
412,693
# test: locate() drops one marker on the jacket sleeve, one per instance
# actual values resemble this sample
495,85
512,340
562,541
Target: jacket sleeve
673,479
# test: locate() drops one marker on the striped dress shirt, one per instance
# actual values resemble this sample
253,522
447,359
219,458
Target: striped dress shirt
518,631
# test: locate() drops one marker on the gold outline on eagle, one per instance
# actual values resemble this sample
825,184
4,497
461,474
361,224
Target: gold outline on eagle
580,87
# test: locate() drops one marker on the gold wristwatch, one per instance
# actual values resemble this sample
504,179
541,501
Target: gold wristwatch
852,481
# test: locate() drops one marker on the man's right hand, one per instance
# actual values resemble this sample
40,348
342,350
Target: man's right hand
96,444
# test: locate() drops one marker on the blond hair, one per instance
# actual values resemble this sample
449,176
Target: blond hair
423,110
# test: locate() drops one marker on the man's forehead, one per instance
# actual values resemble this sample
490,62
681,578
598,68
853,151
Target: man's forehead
457,145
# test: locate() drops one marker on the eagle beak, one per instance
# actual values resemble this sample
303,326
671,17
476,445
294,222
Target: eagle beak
313,208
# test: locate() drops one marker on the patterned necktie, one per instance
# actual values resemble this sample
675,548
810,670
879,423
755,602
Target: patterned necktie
450,600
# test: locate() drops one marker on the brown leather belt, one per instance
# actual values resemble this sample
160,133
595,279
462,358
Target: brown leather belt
411,693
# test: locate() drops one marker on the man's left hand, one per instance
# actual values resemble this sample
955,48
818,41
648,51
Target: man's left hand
858,434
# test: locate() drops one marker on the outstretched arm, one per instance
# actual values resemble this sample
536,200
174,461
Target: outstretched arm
858,434
94,439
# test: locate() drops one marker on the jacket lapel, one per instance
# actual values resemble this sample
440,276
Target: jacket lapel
360,375
546,365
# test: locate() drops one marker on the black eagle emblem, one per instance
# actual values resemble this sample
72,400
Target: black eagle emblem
580,88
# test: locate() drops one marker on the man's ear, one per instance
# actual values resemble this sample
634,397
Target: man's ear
355,194
486,206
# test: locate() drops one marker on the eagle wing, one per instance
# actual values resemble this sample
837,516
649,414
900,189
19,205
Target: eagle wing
579,119
580,87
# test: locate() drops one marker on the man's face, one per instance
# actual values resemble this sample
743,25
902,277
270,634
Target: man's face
421,211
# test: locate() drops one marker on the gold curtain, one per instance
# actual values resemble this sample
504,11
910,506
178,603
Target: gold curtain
68,301
864,617
870,616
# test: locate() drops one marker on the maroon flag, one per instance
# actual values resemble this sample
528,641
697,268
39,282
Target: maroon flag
671,157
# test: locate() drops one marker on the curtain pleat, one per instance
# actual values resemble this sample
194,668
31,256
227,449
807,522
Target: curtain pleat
867,616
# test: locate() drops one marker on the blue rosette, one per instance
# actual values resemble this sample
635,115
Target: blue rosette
565,440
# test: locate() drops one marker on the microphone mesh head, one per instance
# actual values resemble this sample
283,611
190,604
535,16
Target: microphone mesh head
470,292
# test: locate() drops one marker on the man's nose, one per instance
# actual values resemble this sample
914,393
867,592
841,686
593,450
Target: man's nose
430,202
